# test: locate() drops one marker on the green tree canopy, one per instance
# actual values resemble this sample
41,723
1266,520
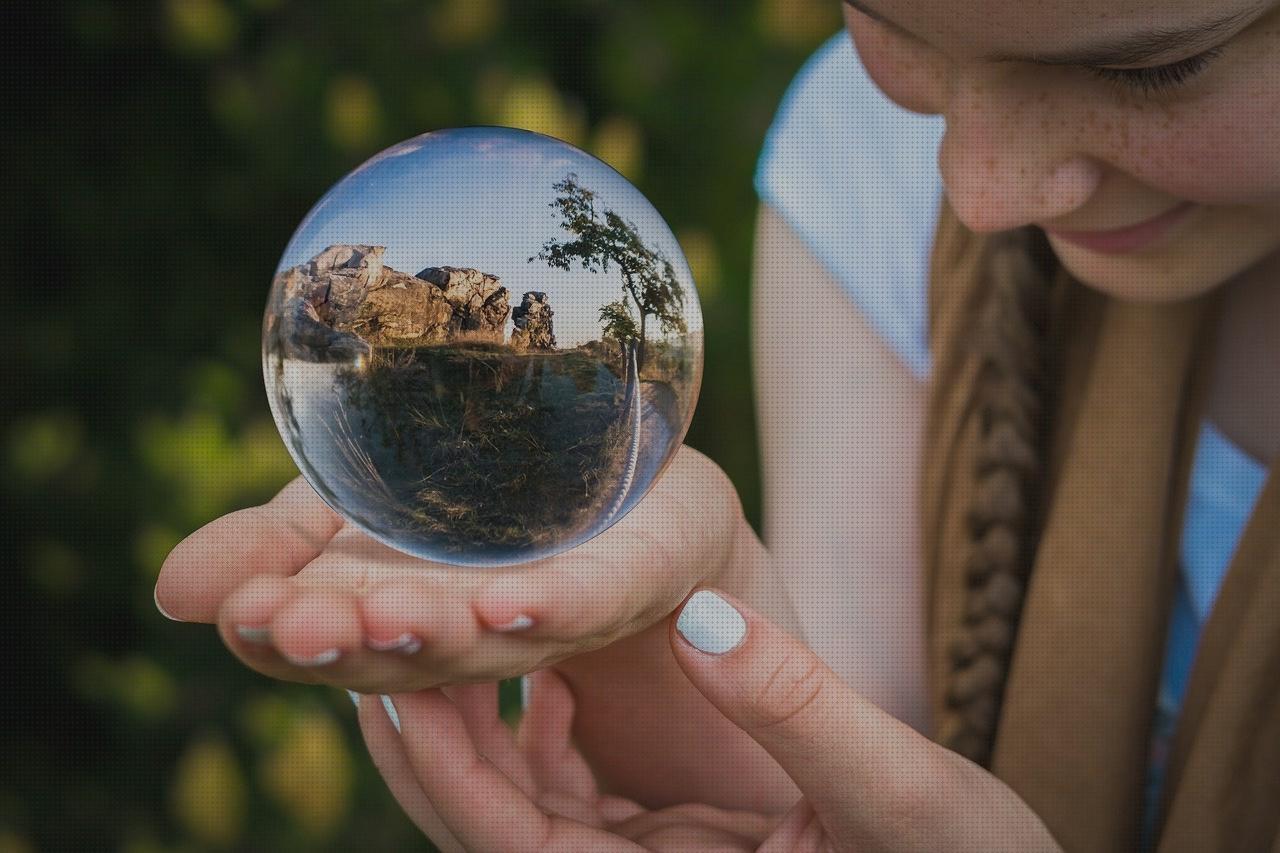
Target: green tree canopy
603,238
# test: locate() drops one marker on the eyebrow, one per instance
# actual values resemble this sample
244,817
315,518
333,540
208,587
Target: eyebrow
1131,49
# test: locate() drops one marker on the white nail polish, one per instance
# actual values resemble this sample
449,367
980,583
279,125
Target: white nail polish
391,711
406,644
520,623
325,658
252,634
355,698
710,623
155,595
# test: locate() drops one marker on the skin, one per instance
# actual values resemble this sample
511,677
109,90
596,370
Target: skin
1025,144
1056,146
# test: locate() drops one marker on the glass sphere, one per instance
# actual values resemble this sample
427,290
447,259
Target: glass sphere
482,346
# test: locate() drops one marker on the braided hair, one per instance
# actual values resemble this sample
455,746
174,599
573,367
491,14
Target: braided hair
1003,520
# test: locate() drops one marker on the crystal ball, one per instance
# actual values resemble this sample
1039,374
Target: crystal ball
482,346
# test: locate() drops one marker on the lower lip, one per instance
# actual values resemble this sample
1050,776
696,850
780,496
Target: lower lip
1129,239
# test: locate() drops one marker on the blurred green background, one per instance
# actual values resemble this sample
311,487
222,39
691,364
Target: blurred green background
157,158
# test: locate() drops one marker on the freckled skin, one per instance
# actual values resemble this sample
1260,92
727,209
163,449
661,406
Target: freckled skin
1010,126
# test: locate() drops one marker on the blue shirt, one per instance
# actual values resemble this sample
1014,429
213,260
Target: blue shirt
856,176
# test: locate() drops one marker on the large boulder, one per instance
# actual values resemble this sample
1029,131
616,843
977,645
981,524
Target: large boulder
532,319
479,302
402,308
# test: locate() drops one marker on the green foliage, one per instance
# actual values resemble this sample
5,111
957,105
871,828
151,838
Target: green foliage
648,279
159,155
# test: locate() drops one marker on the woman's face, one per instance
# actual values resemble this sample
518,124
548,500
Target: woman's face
1049,122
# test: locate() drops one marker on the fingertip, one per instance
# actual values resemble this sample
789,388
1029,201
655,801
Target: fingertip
506,604
430,614
160,607
315,629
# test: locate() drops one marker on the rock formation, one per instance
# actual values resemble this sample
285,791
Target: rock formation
533,323
345,300
479,302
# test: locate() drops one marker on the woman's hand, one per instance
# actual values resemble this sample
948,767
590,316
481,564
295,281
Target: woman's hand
298,595
869,782
469,783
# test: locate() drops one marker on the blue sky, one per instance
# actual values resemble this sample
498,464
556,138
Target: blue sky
478,197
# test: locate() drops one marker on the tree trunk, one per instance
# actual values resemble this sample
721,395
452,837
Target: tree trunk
640,349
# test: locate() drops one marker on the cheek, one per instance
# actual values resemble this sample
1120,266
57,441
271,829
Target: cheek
1222,152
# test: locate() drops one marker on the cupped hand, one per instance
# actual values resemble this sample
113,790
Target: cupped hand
868,781
299,595
471,784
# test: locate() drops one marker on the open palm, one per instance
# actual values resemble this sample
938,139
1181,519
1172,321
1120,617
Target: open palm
299,595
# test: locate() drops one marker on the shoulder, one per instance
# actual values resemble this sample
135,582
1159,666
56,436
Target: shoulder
856,177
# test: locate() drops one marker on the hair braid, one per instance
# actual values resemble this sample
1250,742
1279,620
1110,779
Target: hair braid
1004,518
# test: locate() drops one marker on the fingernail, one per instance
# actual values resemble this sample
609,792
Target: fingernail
165,613
526,685
710,623
355,698
253,634
520,623
391,711
405,644
325,658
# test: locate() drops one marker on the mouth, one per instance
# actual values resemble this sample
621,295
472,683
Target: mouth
1129,238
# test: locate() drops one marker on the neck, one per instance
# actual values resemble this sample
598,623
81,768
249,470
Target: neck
1244,400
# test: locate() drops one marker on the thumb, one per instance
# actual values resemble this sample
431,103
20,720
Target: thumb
869,777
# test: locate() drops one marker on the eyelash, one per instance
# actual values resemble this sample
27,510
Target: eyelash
1161,77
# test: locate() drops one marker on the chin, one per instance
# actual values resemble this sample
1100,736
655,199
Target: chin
1190,264
1143,277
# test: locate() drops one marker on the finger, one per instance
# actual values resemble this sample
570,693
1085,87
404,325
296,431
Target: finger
279,537
389,756
741,829
828,739
430,612
478,705
631,575
285,633
799,831
317,629
482,807
546,738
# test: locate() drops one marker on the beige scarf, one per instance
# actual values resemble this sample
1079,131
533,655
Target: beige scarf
1074,728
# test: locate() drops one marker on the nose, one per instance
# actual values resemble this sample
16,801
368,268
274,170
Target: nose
1007,161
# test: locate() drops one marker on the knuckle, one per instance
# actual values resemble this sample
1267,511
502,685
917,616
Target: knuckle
794,686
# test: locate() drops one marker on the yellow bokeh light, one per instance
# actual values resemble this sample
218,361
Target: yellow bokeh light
704,260
618,142
310,772
201,26
352,112
534,104
208,792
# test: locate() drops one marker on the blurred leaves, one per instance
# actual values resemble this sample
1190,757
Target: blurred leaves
353,114
206,468
136,686
201,26
209,792
44,445
159,156
618,141
309,773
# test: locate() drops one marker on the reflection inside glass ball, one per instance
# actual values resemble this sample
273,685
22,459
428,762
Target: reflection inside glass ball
482,346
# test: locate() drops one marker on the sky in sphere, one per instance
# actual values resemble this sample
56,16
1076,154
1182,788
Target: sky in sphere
480,197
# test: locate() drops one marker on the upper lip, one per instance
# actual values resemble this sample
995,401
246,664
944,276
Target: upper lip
1118,229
